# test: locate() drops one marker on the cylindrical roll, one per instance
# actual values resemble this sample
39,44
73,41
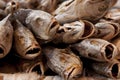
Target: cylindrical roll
25,43
63,62
111,69
6,36
74,31
96,49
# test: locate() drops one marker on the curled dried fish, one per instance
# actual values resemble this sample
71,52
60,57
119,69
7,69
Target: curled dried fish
28,66
71,10
6,36
111,69
107,30
96,49
25,42
42,24
74,31
63,62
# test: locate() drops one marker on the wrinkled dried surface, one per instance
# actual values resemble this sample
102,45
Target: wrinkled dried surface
63,62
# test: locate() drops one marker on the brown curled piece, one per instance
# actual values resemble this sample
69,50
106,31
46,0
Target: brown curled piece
96,49
111,69
74,31
113,14
63,62
92,10
25,42
48,5
28,66
6,36
106,30
42,24
116,42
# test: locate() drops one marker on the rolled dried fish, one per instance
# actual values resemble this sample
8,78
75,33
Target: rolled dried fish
48,5
116,42
96,49
42,24
71,10
107,30
74,31
63,62
113,14
6,36
20,76
111,69
29,66
25,43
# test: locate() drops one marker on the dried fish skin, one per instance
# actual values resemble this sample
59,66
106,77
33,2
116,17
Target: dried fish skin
111,69
72,10
41,23
25,42
63,62
28,66
6,36
48,5
96,49
74,31
19,76
107,30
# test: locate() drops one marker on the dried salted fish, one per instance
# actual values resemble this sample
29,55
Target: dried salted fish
25,42
42,24
111,69
107,30
63,62
113,14
28,66
71,10
48,5
6,36
74,31
96,49
19,76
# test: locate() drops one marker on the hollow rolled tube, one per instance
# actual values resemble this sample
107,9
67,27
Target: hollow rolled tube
96,49
63,62
25,43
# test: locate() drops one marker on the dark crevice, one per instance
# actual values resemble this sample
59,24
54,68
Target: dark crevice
33,51
37,69
115,70
109,51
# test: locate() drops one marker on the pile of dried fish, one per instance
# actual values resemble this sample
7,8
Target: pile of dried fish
59,39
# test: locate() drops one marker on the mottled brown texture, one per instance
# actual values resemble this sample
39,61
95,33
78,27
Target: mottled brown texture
71,10
106,30
111,69
96,49
41,23
25,42
6,36
74,31
63,62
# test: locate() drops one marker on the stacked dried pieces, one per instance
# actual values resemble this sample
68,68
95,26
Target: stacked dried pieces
59,40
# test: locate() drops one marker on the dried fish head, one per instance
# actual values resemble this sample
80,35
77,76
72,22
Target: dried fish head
81,9
63,62
6,36
41,23
25,42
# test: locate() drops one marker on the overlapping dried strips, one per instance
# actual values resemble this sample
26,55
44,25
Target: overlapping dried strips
59,40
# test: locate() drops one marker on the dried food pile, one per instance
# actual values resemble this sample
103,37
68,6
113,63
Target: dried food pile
59,40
